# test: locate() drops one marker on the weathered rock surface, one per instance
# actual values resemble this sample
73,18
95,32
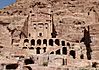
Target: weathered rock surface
69,17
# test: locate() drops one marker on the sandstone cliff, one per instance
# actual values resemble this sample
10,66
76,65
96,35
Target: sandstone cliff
70,16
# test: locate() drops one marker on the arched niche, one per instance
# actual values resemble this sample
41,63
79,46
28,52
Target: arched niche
52,52
57,42
68,44
51,42
73,53
38,42
64,50
82,56
44,49
33,42
28,61
45,42
38,50
26,40
24,48
58,52
63,43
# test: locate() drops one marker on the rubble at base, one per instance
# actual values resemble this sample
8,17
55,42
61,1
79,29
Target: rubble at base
50,35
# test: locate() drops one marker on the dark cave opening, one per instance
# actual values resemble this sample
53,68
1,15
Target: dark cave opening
57,42
28,61
72,53
64,50
63,43
44,49
82,56
51,42
33,42
45,42
58,52
52,52
11,66
38,50
38,42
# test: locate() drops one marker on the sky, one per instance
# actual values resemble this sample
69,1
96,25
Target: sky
4,3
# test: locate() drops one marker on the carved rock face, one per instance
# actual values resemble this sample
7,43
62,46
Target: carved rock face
5,36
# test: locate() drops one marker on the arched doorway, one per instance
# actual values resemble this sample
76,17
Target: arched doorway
44,49
33,42
38,50
52,52
51,42
57,42
64,50
68,44
45,42
38,42
26,40
63,43
58,52
72,53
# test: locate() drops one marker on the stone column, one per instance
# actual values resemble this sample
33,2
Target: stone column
41,51
61,50
68,50
4,67
29,45
54,42
65,61
78,53
47,42
41,42
85,55
21,64
34,50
